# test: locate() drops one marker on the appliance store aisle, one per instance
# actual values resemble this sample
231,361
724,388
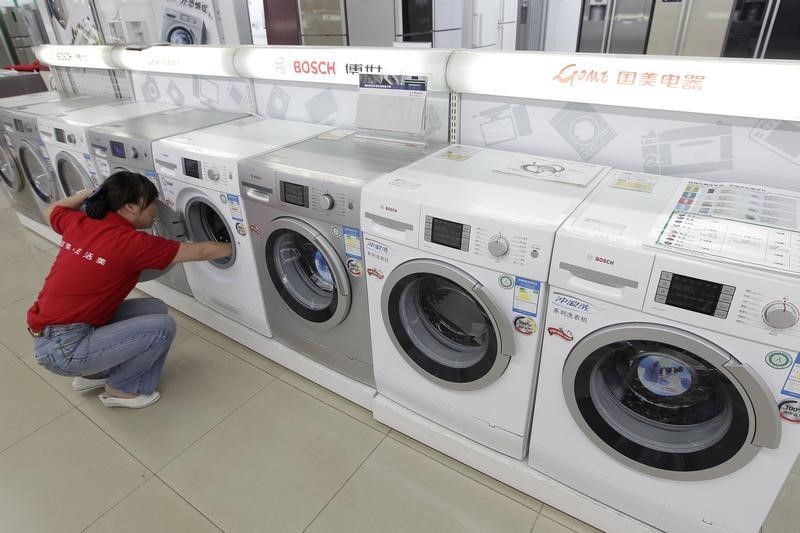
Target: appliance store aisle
237,443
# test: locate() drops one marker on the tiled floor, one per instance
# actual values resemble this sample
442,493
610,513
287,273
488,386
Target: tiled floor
237,443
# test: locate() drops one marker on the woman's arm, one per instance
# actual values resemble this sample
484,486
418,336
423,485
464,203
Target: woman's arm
202,251
71,202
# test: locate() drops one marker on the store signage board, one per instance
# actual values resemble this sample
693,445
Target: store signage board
80,56
193,60
736,87
341,65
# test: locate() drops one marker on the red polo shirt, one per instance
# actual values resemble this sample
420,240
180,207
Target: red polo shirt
98,265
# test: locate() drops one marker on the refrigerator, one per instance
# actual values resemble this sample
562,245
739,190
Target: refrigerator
690,27
563,22
530,25
17,37
483,30
615,26
322,22
745,28
782,39
370,22
438,22
507,25
282,21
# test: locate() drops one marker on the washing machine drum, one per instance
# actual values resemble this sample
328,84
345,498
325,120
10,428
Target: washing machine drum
71,176
445,325
307,273
35,171
180,35
9,173
167,224
204,222
662,401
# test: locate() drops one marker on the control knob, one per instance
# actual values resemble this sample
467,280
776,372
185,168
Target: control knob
213,174
326,201
498,245
780,315
71,138
134,153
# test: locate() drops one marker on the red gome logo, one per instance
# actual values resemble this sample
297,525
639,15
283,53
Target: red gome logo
327,68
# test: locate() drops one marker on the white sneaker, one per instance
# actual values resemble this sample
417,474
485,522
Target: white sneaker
81,384
143,400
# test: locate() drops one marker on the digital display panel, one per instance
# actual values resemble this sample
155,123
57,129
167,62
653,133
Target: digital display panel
60,135
118,149
18,125
191,168
446,233
693,294
294,194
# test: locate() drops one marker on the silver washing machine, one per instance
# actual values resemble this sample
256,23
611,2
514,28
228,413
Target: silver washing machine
182,28
37,188
126,145
303,204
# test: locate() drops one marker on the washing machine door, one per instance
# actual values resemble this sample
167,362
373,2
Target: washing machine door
205,222
36,172
71,175
180,35
307,273
9,172
667,402
445,324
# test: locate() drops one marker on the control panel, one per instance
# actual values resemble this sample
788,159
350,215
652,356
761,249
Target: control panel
327,201
72,138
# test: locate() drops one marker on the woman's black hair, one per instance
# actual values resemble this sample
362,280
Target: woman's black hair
120,188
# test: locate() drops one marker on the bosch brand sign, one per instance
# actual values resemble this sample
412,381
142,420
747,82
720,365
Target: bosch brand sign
604,260
327,68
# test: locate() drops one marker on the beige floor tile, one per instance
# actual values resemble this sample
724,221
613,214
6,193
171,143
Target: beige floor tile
785,513
153,507
6,355
14,249
400,489
26,403
334,400
480,477
273,464
242,352
546,525
569,521
185,321
34,240
62,384
8,219
63,477
21,279
200,386
13,332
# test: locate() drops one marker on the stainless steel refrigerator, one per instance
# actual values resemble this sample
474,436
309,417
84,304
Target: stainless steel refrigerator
18,38
439,22
322,22
370,22
615,26
690,27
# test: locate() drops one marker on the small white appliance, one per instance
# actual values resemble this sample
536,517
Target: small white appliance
669,388
66,137
457,249
200,178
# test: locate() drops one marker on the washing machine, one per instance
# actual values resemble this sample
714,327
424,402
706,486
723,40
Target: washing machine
66,138
457,253
180,27
303,204
200,178
13,185
33,162
126,145
669,388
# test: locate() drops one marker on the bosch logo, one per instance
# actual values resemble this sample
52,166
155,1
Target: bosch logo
605,261
327,68
389,208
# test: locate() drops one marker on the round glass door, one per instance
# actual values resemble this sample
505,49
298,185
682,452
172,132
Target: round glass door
307,273
35,170
446,330
71,176
660,400
204,222
180,35
8,171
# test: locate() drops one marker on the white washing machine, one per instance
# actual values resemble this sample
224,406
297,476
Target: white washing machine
200,179
182,27
669,387
14,185
66,138
457,250
303,202
22,131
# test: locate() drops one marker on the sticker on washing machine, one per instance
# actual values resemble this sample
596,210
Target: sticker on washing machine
235,207
151,175
526,296
557,331
792,385
352,242
104,168
355,267
241,229
459,153
789,410
525,325
377,251
778,359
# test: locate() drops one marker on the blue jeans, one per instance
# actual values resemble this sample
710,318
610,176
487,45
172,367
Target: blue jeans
130,350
